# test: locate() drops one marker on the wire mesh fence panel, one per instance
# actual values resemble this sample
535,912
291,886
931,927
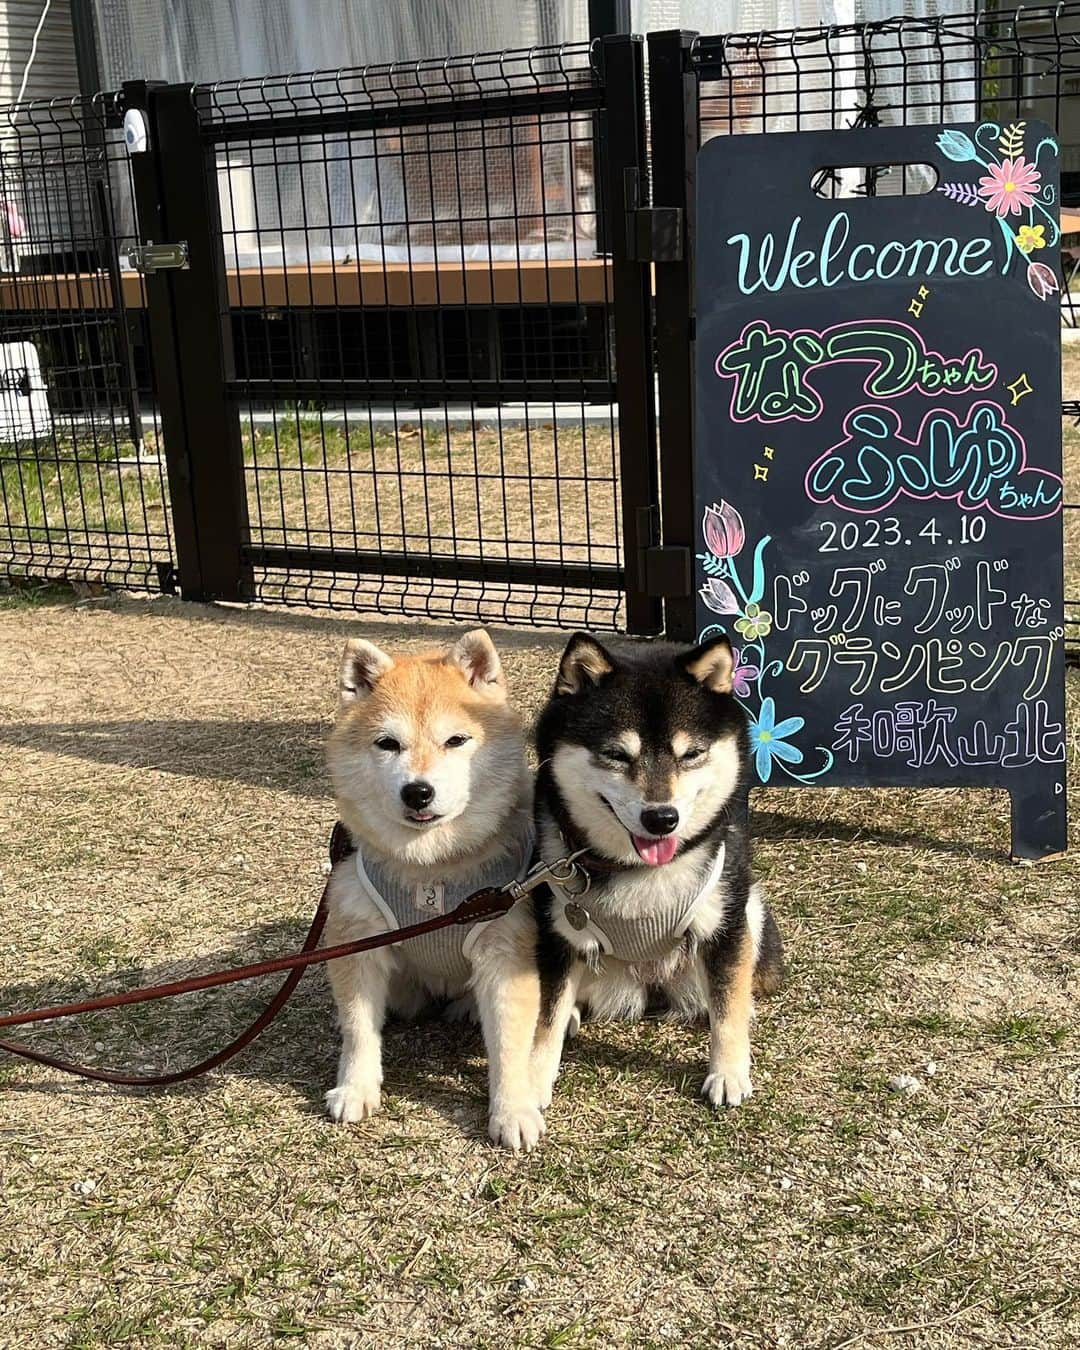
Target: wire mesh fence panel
1003,65
83,494
422,336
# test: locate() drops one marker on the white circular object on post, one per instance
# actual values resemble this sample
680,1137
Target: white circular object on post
136,136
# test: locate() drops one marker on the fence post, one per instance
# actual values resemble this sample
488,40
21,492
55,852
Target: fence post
624,172
673,106
191,341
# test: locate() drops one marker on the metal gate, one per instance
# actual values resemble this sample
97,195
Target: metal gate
83,494
413,280
384,358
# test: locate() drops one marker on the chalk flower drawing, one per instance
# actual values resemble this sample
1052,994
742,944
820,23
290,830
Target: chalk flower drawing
1013,183
768,739
725,593
743,674
755,622
1042,280
1010,187
956,146
724,532
1030,237
718,596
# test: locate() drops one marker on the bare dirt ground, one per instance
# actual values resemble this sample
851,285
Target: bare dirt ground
163,808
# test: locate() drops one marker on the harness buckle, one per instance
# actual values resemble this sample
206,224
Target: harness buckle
563,872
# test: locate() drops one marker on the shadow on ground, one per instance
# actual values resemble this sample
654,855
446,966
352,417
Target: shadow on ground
427,1060
288,755
285,754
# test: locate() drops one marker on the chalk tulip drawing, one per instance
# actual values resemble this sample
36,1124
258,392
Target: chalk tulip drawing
1013,188
725,594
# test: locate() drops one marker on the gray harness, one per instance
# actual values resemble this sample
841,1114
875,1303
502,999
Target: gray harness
650,937
444,954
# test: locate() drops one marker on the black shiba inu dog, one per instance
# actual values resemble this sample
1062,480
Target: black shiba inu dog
643,764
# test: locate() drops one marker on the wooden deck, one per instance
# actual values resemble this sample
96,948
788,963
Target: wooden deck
428,284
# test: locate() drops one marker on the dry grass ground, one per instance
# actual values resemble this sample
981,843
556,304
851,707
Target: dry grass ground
163,807
544,490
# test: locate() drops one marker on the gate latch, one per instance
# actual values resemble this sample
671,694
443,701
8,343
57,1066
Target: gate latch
668,571
653,233
665,570
656,234
150,257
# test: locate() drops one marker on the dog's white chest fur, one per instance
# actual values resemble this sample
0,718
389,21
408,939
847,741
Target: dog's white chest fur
643,916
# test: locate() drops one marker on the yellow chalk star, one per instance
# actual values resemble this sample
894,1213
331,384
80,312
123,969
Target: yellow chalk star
769,452
1019,387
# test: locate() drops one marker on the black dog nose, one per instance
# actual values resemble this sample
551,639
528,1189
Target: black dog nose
660,819
417,794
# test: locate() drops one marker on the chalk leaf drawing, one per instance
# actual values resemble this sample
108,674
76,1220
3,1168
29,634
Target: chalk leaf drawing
964,193
724,535
1011,140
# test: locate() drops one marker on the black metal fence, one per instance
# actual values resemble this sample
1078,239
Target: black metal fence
412,362
381,375
423,323
83,494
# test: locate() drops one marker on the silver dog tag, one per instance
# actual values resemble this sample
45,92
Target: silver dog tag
429,897
576,916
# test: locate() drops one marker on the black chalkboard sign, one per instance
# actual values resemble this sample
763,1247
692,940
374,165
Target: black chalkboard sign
878,463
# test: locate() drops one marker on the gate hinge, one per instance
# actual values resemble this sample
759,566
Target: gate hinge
656,234
150,257
668,570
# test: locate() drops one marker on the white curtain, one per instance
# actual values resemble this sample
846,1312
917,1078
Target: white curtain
464,194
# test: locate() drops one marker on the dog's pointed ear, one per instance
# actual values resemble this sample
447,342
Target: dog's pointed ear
475,656
584,663
711,664
362,666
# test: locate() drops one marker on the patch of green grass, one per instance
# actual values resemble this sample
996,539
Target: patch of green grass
1027,1031
104,953
34,596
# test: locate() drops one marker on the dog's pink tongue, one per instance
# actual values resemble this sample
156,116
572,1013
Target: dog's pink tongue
655,852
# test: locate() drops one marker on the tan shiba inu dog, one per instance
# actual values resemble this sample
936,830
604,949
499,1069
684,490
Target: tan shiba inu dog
428,764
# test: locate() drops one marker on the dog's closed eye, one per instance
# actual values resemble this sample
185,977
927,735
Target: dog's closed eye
616,754
694,755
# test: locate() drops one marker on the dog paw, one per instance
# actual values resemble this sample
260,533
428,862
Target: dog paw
574,1024
350,1102
461,1010
517,1128
728,1086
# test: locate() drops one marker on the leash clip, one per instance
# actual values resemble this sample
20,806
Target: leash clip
563,872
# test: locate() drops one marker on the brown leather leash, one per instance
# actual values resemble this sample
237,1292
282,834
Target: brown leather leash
483,904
